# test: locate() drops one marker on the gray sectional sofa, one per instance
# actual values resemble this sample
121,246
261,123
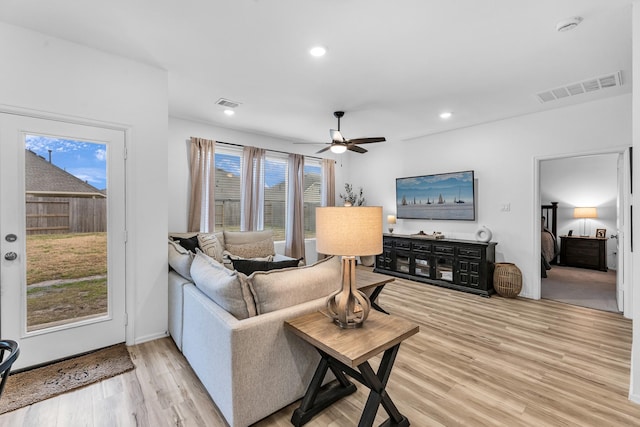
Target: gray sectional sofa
229,327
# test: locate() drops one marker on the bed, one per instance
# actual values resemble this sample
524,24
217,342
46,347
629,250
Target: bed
549,242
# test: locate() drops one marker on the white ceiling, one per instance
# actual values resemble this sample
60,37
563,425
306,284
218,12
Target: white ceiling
393,66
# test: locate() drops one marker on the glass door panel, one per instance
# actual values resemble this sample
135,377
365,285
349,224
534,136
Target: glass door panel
66,231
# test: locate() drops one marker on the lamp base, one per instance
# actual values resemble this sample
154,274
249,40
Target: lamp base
348,307
390,230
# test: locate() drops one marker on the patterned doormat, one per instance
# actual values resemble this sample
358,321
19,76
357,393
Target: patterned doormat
28,387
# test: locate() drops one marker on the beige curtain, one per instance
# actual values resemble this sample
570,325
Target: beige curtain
252,198
201,205
328,182
328,196
294,230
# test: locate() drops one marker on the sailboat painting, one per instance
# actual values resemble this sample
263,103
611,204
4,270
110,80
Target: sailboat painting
445,196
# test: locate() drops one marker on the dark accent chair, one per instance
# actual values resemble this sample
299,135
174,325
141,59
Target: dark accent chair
14,351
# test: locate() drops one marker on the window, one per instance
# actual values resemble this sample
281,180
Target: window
227,192
228,160
312,194
275,193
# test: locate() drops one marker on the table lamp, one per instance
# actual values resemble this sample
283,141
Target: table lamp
349,232
585,213
391,220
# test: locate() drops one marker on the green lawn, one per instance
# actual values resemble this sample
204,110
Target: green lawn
65,258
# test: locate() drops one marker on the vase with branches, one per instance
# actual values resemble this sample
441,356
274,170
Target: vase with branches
351,198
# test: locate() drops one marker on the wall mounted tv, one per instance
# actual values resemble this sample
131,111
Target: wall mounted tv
445,196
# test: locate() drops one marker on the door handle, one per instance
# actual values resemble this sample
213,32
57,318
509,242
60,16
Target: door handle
614,236
10,256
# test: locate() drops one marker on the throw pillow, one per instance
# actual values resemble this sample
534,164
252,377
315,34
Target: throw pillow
227,288
210,245
258,249
189,243
277,289
248,266
180,259
249,244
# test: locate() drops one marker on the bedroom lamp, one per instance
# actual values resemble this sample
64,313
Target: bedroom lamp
585,213
391,220
349,231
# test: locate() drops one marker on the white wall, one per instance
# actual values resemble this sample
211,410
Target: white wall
181,130
579,182
503,155
634,389
55,77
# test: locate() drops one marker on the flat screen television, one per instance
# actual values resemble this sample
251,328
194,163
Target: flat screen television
444,196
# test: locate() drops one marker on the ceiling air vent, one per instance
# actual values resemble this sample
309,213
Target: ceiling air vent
591,85
227,103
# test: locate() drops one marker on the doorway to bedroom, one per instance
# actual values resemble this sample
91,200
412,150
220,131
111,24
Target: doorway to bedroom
587,269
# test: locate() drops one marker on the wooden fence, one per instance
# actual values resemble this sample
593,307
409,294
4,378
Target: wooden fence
51,215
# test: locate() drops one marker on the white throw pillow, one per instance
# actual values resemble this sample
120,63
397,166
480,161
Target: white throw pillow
227,288
180,259
210,245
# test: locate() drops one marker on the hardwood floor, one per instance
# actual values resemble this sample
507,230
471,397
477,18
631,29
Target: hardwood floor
476,362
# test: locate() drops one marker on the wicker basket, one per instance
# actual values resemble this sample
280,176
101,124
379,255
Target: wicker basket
507,279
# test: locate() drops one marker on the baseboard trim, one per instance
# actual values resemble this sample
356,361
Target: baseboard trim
150,337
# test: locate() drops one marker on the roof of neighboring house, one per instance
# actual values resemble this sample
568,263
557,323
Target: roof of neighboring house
44,178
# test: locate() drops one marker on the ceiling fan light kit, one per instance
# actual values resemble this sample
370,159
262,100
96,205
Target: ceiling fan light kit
338,148
339,144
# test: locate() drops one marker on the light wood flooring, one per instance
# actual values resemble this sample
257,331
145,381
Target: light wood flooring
476,362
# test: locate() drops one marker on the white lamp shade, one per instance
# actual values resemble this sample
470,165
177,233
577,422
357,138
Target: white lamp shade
349,231
585,213
391,219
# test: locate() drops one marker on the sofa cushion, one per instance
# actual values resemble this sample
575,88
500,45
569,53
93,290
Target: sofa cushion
249,244
227,288
180,259
210,244
248,266
277,289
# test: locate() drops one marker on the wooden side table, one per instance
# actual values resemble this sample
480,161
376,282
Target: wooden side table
347,351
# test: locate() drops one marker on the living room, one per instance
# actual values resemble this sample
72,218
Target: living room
90,86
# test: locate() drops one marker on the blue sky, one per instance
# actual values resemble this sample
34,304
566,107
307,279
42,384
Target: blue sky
85,160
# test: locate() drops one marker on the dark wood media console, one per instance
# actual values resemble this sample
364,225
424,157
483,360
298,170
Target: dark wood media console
463,265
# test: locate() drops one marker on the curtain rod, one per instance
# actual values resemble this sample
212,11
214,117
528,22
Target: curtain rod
268,149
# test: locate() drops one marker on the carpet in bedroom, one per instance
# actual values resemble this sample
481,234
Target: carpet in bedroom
580,286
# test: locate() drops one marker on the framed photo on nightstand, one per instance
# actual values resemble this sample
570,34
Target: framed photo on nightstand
601,232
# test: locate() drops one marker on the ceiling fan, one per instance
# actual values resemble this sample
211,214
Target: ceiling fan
339,144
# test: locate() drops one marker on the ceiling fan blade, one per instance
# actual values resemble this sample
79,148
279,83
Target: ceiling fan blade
367,140
324,149
336,136
356,149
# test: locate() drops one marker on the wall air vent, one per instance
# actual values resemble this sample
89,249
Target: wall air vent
227,103
591,85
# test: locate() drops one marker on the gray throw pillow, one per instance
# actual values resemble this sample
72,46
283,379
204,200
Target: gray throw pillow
227,288
180,259
277,289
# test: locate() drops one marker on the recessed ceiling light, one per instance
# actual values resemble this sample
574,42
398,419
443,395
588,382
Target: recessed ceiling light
229,112
446,115
318,51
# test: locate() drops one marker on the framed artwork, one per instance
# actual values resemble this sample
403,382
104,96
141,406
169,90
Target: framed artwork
601,232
